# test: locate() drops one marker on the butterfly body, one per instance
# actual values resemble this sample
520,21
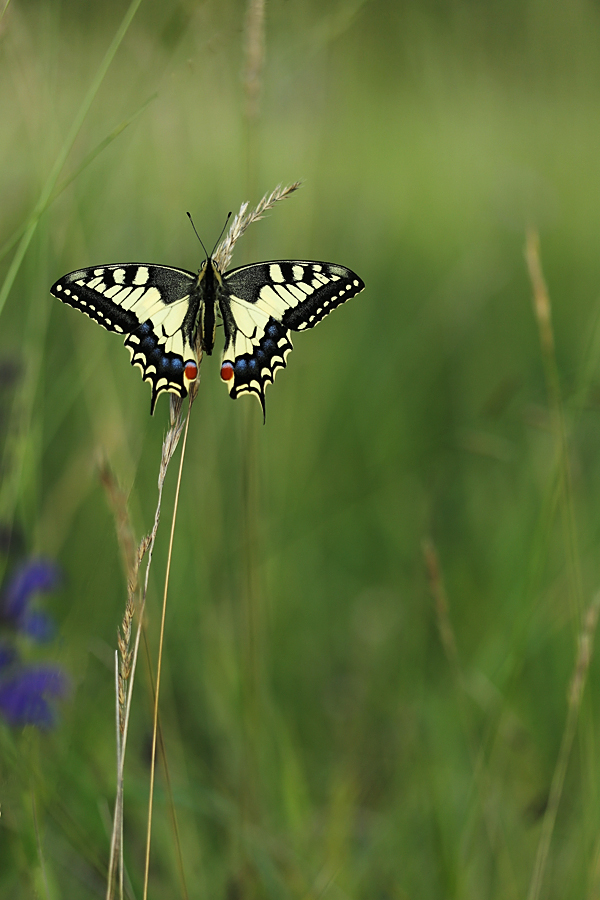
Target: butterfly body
169,315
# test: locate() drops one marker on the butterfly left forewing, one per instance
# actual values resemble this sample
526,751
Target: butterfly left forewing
151,305
265,302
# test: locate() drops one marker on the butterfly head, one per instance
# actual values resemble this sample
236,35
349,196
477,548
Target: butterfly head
209,276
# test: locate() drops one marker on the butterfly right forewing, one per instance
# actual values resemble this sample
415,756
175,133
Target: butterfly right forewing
265,302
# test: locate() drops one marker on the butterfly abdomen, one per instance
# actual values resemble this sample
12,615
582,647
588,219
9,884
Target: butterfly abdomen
208,326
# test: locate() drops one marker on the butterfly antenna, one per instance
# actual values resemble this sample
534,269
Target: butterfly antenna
222,230
189,215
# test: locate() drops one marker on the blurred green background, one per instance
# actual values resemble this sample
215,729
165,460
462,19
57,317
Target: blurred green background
339,749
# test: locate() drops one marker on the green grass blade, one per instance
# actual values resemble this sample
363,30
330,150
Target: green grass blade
64,152
91,156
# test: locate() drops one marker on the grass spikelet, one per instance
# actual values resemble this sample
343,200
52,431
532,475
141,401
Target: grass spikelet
440,599
131,560
243,219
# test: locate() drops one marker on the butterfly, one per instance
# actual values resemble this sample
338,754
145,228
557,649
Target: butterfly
167,313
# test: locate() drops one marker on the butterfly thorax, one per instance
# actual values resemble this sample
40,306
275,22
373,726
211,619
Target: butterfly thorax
207,287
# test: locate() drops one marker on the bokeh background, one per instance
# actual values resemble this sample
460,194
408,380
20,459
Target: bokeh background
376,598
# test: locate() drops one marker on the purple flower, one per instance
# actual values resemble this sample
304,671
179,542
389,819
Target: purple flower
24,695
26,690
37,625
31,578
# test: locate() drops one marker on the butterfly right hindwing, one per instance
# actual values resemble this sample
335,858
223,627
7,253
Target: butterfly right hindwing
268,300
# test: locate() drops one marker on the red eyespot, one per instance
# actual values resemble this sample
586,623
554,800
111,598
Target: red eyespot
226,371
191,371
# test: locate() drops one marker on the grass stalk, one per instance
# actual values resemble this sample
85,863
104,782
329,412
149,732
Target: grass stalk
563,489
495,835
128,657
39,847
575,695
118,683
254,61
543,314
167,776
160,650
86,161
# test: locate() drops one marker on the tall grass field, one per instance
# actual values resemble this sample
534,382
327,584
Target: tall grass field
378,677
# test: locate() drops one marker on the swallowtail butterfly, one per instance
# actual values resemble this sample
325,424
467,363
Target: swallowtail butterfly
166,313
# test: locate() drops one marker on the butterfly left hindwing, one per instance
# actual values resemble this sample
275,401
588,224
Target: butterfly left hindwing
268,300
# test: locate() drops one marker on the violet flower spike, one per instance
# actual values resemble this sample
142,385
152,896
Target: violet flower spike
37,575
24,696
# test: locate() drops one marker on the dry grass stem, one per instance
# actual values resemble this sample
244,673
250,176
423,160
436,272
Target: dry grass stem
131,560
440,599
575,694
541,299
476,746
39,847
243,219
253,65
166,773
127,656
176,428
255,56
543,314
